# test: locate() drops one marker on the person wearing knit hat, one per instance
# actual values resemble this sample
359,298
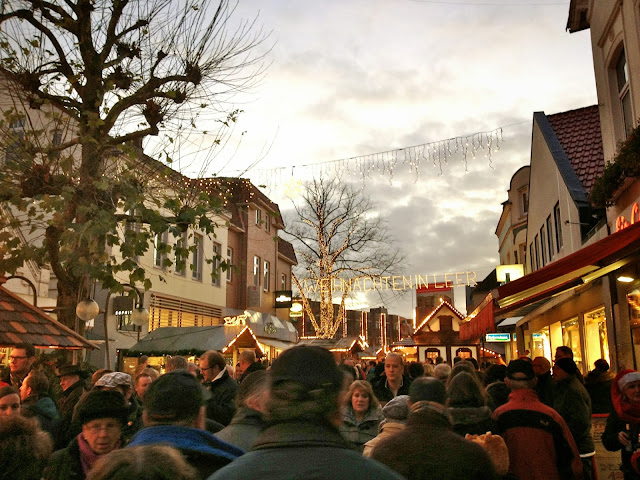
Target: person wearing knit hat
446,454
395,414
623,423
302,439
102,415
571,400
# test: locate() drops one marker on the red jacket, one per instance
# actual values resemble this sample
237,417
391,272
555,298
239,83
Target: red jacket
540,444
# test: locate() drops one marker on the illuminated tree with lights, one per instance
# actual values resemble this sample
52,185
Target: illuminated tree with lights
338,238
83,83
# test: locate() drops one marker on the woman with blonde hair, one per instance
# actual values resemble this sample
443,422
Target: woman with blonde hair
362,414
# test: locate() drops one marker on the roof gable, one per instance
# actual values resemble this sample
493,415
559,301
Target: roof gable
574,139
444,308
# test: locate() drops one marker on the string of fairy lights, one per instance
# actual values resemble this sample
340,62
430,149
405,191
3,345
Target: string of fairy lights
414,159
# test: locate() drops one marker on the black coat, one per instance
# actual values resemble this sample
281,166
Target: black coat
429,449
610,442
303,450
221,406
64,429
383,393
65,464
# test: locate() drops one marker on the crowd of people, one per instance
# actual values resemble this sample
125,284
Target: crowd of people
308,417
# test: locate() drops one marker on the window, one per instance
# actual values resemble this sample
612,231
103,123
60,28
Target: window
523,196
531,265
56,139
549,242
558,224
283,282
160,249
622,77
181,255
266,271
15,141
196,258
131,229
267,223
258,216
543,248
535,240
229,264
256,271
217,250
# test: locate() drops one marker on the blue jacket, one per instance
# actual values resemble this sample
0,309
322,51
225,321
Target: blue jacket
202,450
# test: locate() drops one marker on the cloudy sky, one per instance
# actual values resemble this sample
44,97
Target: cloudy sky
350,78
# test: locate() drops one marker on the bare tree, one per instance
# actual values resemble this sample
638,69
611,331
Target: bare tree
83,83
339,240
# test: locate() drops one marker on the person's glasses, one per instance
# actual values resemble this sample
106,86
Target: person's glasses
98,427
15,359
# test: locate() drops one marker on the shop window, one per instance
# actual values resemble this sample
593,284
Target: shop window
541,343
595,335
431,353
633,298
571,338
464,353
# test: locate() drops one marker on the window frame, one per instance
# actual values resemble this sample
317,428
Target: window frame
266,274
258,217
256,271
197,257
215,264
557,220
283,281
543,250
229,264
623,93
160,257
549,238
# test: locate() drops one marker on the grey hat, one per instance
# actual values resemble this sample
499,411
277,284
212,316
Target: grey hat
396,409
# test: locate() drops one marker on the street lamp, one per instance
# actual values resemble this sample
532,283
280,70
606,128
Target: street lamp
87,310
139,316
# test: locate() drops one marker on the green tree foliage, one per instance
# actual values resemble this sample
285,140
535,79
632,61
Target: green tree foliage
82,83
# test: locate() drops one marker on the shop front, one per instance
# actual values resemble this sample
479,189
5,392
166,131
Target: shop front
588,301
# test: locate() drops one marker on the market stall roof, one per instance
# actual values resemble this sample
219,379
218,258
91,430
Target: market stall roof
183,340
22,322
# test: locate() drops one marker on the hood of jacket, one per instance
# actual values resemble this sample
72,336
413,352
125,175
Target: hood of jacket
469,415
187,439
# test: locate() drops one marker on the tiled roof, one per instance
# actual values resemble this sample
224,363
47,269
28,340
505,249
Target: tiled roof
22,322
578,131
286,250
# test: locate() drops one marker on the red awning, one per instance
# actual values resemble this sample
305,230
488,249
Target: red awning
591,262
481,323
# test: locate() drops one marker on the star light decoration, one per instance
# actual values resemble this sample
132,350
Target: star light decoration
414,158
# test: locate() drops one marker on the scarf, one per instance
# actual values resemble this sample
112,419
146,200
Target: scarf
627,411
87,456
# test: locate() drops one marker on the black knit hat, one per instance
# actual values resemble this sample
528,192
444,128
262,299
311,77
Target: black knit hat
311,367
102,404
174,396
520,370
567,364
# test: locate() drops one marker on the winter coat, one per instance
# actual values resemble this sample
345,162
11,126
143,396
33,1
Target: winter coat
383,393
386,430
65,464
598,385
221,405
304,450
245,427
254,367
572,402
472,420
201,449
540,444
545,388
358,433
429,449
43,409
621,419
65,430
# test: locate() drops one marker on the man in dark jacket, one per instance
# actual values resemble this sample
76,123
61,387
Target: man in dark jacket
248,421
428,447
393,382
35,401
20,362
174,415
247,365
72,380
221,405
302,439
545,386
572,402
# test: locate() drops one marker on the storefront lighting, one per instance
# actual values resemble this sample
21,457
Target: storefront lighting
625,279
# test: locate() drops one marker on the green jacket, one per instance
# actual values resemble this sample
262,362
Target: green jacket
572,402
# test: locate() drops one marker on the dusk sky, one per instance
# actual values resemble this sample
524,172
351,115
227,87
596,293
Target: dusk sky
350,78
